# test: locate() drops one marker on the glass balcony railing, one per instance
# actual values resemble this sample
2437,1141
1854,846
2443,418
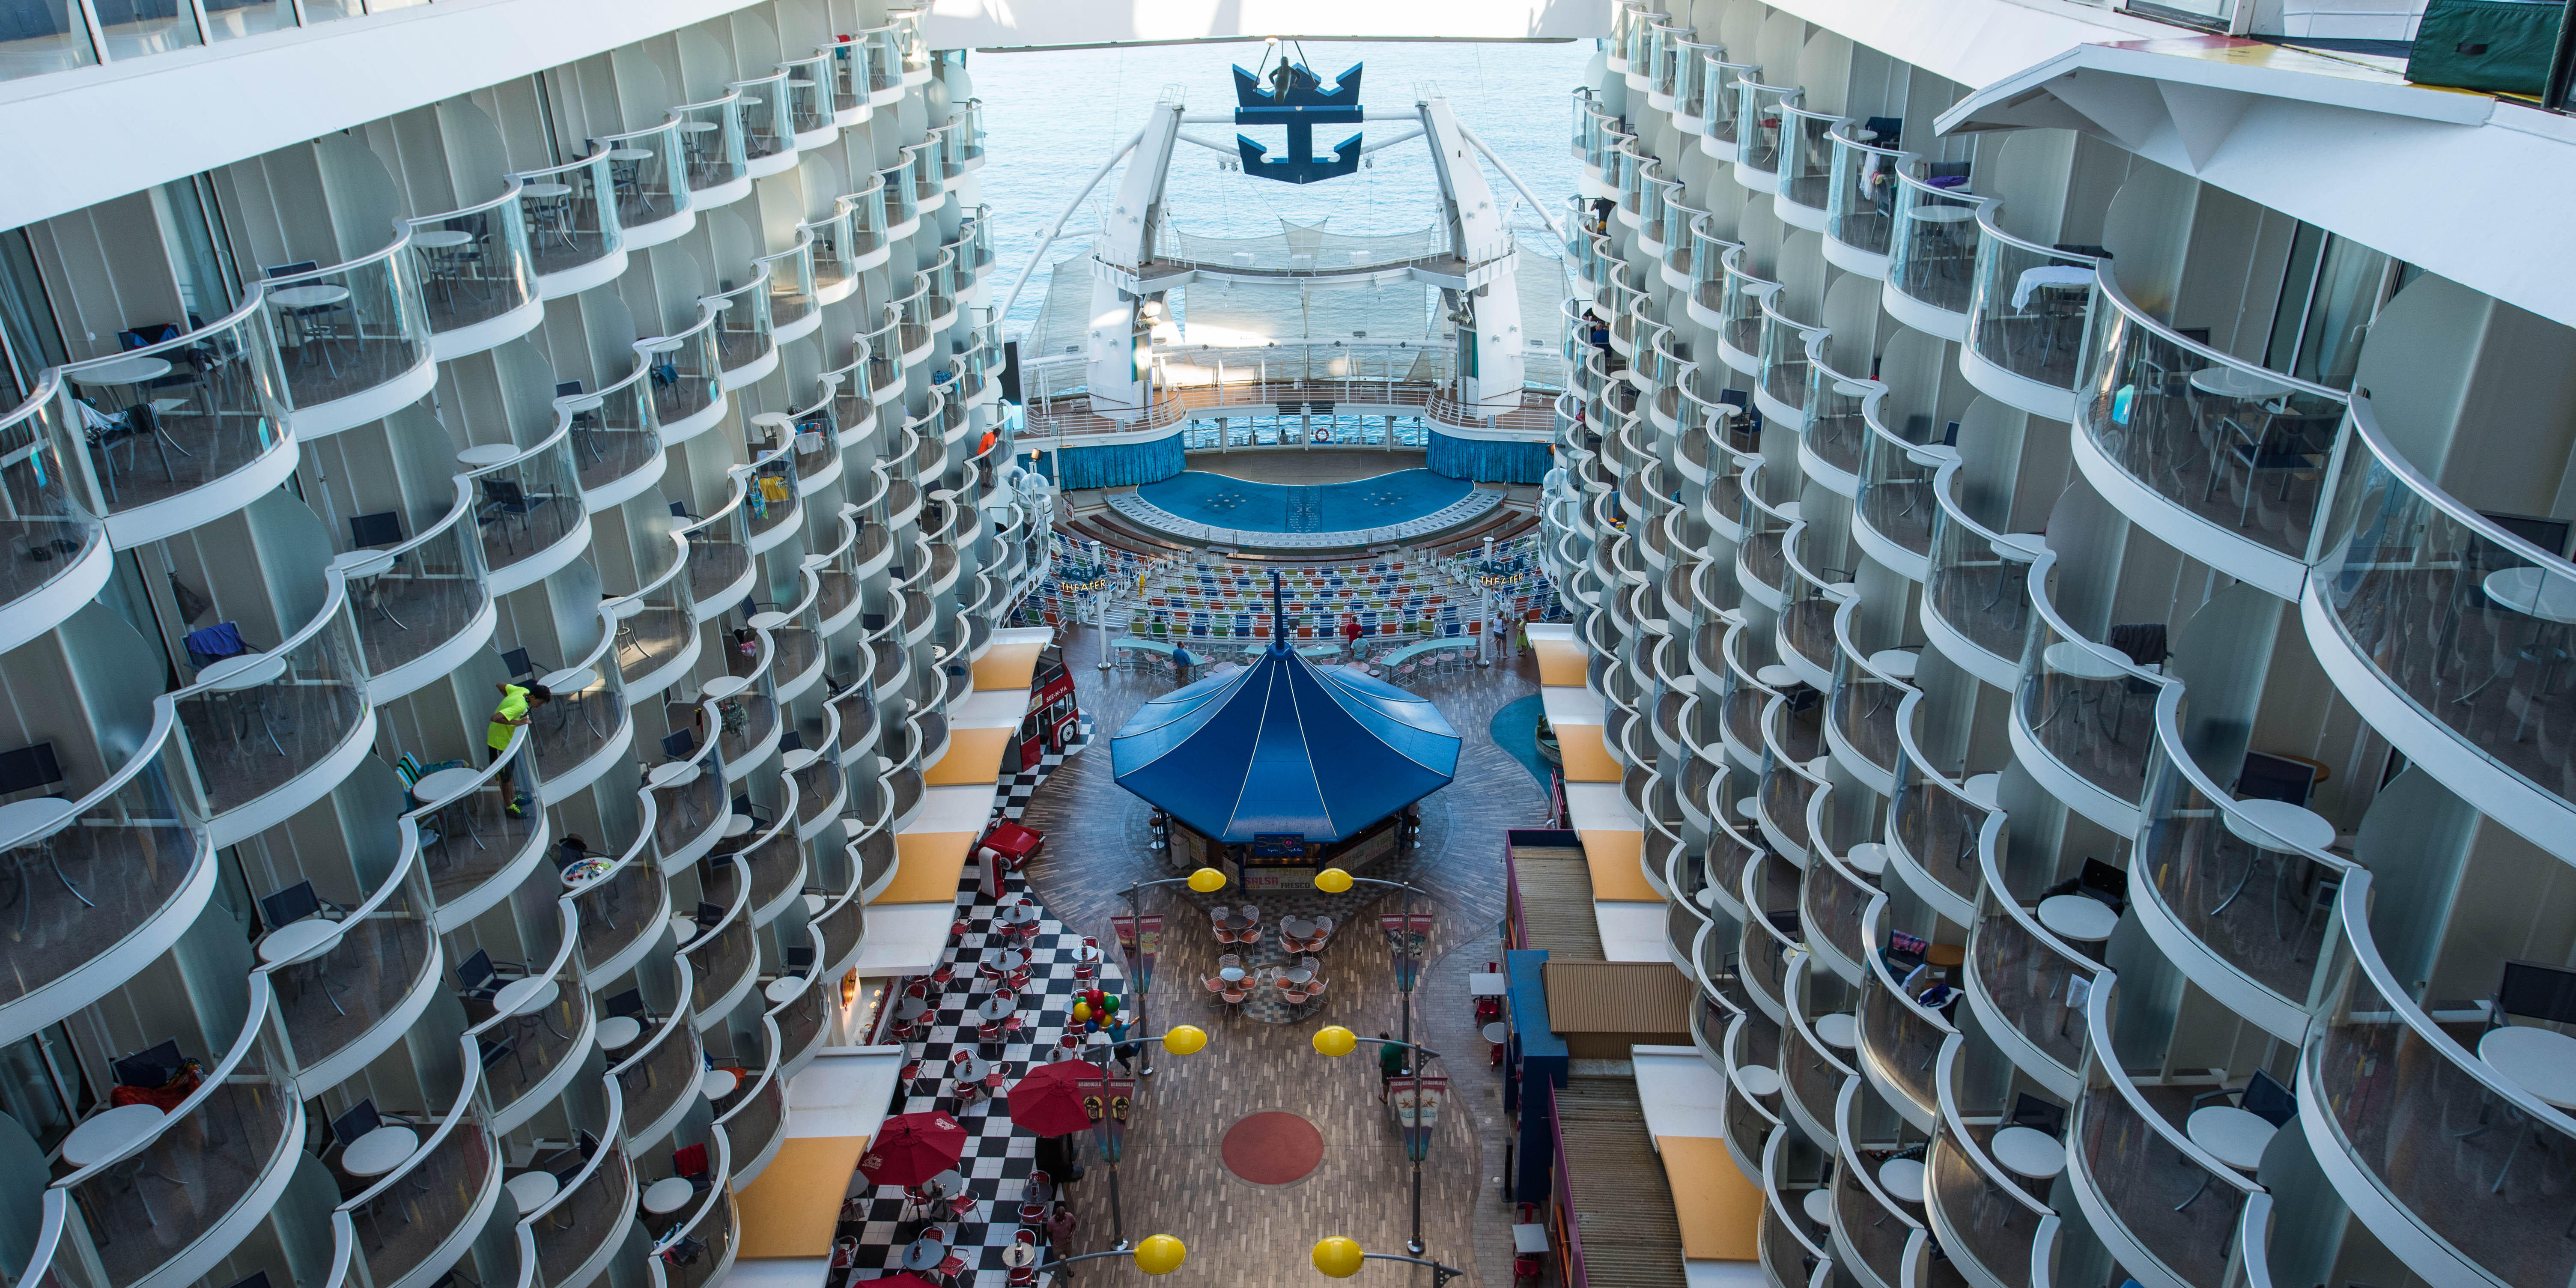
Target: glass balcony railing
1896,501
1831,899
2171,1200
770,502
1932,248
1664,43
791,284
754,1115
588,714
1981,1211
1868,693
168,419
527,1051
1871,1226
656,635
1811,1072
1636,40
1860,201
616,436
2238,448
695,1247
2021,972
1807,157
1708,273
685,371
1761,131
1932,823
882,48
743,331
865,210
884,349
1721,91
442,1189
741,706
572,214
899,202
2028,312
722,956
1790,1254
421,595
341,331
2455,615
1810,598
921,169
1837,428
1740,313
690,806
205,1158
2086,705
711,142
483,831
1979,585
1900,1038
474,264
828,247
1629,162
660,1076
766,129
1650,207
51,526
808,94
528,505
256,728
648,173
623,901
114,869
2470,1156
592,1211
774,863
1675,236
1690,81
1760,564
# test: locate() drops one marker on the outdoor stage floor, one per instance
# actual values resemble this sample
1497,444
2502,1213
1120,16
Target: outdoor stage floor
1380,502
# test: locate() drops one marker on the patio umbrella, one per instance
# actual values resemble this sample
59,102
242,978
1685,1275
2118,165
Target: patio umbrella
1049,1100
912,1148
903,1279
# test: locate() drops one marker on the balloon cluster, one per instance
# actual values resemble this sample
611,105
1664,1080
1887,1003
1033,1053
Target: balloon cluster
1093,1009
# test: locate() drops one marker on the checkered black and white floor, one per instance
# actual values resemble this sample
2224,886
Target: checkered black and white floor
998,1158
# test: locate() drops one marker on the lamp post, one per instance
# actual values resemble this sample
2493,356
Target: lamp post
1139,979
1336,1041
1109,1130
1341,1257
1158,1254
1408,968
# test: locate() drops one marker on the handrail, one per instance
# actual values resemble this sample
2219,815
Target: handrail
2039,600
1912,750
2366,430
1844,647
676,1021
1986,226
611,1133
2108,285
1945,1080
1847,1147
1798,1021
1870,921
2101,1056
1989,867
1776,1197
263,1000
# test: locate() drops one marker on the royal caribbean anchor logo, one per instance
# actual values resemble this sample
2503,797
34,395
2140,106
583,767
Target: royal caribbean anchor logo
1297,100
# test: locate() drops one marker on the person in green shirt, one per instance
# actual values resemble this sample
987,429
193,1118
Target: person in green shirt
518,706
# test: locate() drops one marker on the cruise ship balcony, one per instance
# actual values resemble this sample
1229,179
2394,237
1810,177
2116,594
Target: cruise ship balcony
108,886
1900,1038
1932,255
2166,1207
659,1076
58,551
422,1217
478,275
687,375
2436,623
1769,942
276,732
775,863
218,1162
724,958
1831,901
1877,1226
719,563
616,440
1837,429
1762,125
1749,1053
768,132
1795,1253
2083,719
622,907
712,1226
572,1237
1862,707
653,200
1781,388
2027,317
575,240
794,309
349,985
176,434
1721,88
1894,505
1932,825
656,634
353,339
2454,1166
487,844
528,508
1996,1225
2017,977
690,804
2222,459
1816,1048
1805,196
746,346
424,604
1860,200
773,505
1976,601
1739,314
740,707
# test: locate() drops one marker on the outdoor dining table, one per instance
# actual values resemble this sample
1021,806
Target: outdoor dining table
1011,958
925,1252
1235,924
1018,914
1296,927
997,1008
1299,975
1230,974
911,1008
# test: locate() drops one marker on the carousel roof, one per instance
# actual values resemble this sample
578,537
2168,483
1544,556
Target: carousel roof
1284,746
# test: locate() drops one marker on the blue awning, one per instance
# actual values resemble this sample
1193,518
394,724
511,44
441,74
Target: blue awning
1285,746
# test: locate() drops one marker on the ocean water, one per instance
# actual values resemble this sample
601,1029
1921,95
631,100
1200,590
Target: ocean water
1053,117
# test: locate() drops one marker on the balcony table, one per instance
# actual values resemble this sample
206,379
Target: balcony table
379,1151
448,787
1758,1079
2013,548
668,1195
2230,382
1902,1178
486,455
531,1190
101,1135
1980,788
625,170
2077,918
724,686
1819,1206
716,1084
248,673
1839,1030
2028,1151
1869,858
571,687
738,826
555,213
302,941
522,998
2540,1061
309,305
2231,1135
618,1032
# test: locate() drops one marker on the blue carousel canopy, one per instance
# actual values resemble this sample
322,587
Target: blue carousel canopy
1284,746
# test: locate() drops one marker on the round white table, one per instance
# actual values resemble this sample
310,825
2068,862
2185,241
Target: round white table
1819,1206
783,989
379,1151
1838,1030
545,191
2533,593
354,564
439,238
667,1195
2028,1151
2231,1135
1895,663
1902,1179
2077,918
28,817
531,1190
630,154
1981,788
1230,974
123,371
2066,657
2229,382
1496,1033
446,784
1869,858
1931,456
526,996
299,941
716,1084
486,455
1943,214
1851,389
1758,1080
101,1135
724,686
1777,678
738,826
2277,825
2540,1061
618,1032
683,928
312,296
673,774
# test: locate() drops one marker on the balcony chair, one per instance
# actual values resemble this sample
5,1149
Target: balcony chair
314,324
504,499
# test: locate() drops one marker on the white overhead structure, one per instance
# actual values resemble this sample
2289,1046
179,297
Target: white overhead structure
1473,272
999,24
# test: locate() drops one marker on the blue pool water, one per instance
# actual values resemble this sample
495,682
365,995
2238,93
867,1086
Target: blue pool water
1515,729
1223,502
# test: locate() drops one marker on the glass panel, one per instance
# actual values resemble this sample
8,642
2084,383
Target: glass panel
667,1068
345,330
743,323
2030,307
1719,85
1896,474
2086,704
763,103
1932,250
1980,583
483,829
808,90
419,594
134,28
529,503
572,213
648,172
684,370
1996,1225
712,142
688,800
1807,159
474,265
45,36
615,433
110,867
169,418
567,1231
253,729
1860,210
231,19
1758,138
45,519
1932,823
1740,310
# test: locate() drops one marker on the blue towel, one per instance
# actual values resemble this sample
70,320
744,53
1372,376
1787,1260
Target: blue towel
214,644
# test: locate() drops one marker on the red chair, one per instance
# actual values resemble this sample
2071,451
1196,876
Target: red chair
944,976
1012,1029
1525,1270
988,1032
962,1207
952,1268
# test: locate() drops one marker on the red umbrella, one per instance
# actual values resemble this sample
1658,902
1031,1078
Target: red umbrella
912,1148
905,1279
1049,1100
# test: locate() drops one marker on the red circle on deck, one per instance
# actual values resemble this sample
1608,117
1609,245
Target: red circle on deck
1274,1148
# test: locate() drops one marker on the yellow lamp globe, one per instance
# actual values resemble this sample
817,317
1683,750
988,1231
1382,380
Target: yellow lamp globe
1334,1040
1184,1039
1338,1256
1207,880
1333,880
1160,1254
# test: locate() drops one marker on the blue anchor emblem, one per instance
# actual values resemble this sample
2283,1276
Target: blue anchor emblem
1300,105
